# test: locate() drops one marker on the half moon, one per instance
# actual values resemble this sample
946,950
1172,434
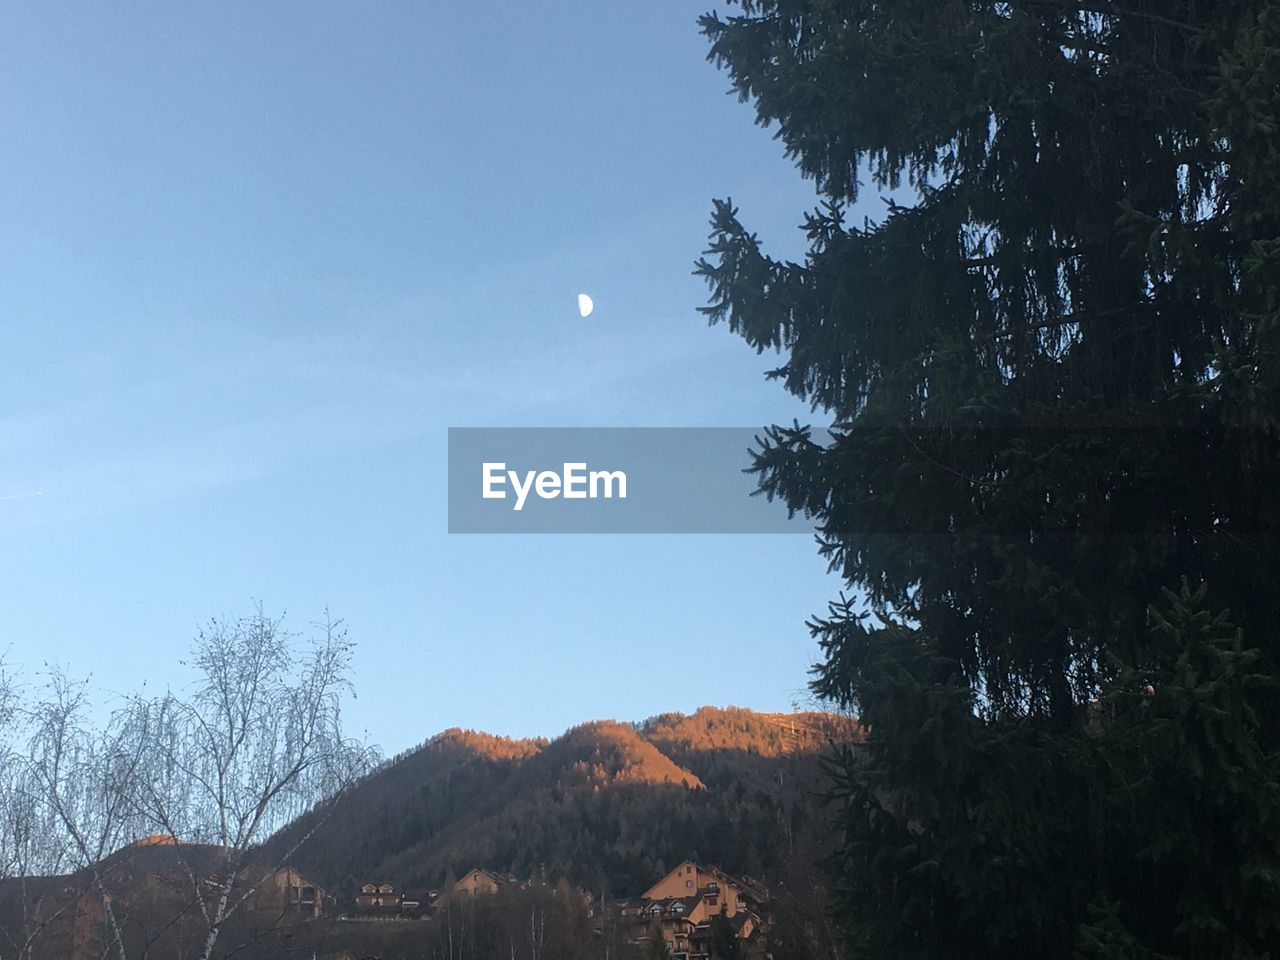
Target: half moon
585,305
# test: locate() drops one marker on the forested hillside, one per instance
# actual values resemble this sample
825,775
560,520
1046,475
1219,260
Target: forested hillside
608,806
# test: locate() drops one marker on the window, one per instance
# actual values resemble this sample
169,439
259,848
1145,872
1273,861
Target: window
688,883
712,901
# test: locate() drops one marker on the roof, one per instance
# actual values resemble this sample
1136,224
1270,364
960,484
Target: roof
749,887
688,905
746,885
494,875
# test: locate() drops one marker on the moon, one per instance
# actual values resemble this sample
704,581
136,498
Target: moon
585,305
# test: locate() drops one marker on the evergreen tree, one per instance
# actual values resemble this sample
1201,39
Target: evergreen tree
1051,369
724,944
658,949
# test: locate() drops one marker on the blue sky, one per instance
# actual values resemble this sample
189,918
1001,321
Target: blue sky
255,259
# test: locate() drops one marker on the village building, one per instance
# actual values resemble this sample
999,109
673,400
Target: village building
378,897
386,900
418,903
682,905
478,883
288,892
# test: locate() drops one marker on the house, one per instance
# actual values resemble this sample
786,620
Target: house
716,888
286,891
378,898
682,905
483,882
418,903
677,918
385,900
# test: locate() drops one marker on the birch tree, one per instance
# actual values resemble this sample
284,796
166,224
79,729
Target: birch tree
254,742
17,836
75,789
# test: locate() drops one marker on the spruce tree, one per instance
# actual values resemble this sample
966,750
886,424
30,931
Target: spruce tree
1051,370
723,942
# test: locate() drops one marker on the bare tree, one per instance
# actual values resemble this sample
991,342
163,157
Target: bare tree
256,741
75,787
13,847
33,845
31,851
18,836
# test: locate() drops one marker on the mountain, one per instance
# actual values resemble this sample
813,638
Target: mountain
609,806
